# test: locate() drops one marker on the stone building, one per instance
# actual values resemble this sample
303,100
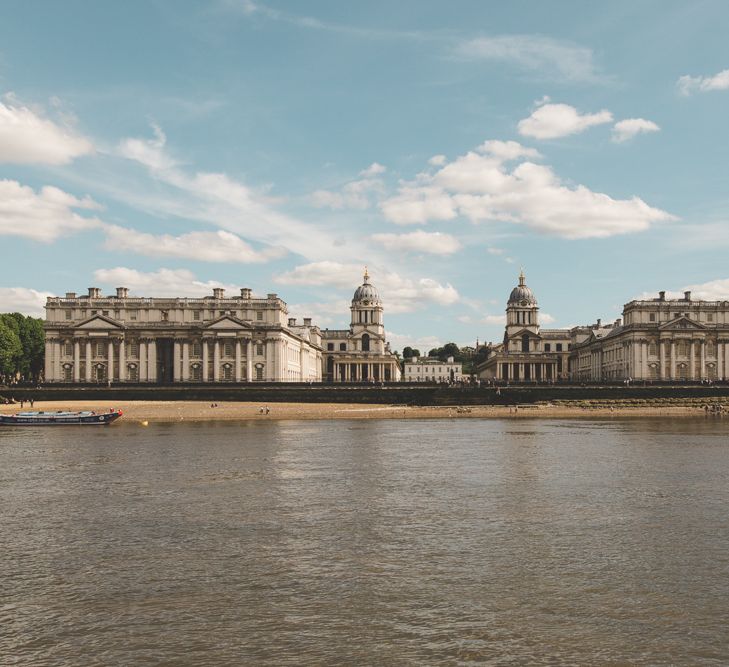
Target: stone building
657,339
528,353
123,339
427,369
360,353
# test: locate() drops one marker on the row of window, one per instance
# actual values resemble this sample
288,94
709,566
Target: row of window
101,349
133,315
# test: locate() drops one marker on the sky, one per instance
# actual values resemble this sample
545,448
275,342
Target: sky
173,146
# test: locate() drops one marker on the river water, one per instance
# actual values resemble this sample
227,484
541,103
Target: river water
388,542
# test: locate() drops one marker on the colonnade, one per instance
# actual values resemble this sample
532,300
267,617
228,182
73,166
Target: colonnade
360,371
525,371
669,362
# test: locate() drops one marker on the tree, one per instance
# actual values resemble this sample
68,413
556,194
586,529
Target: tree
450,350
10,351
410,352
28,359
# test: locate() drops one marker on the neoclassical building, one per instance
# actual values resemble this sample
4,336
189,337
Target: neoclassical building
217,338
427,369
528,353
360,353
657,339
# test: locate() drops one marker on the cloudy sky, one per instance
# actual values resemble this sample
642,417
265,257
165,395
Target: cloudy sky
173,146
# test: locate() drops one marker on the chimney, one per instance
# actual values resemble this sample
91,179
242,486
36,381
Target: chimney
218,292
122,292
618,322
662,296
94,293
245,293
292,321
687,295
599,322
272,296
70,295
307,321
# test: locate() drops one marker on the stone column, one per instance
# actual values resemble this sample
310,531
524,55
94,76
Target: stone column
122,361
205,351
76,360
703,358
249,360
662,359
719,360
143,371
48,366
152,360
726,362
186,361
216,360
88,361
270,367
110,360
176,361
692,361
238,359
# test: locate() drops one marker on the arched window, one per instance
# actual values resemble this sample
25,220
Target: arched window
365,342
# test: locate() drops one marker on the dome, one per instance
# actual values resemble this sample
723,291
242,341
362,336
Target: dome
521,293
366,291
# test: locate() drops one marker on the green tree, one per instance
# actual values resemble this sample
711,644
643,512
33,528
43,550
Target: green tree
409,352
10,351
28,360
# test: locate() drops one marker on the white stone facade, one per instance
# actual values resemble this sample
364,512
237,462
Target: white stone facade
426,369
123,339
657,340
360,353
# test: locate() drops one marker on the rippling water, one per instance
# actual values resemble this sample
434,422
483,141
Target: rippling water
367,542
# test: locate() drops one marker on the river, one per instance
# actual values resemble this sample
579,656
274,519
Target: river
469,542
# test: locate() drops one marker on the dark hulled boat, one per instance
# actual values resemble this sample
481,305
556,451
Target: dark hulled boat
60,418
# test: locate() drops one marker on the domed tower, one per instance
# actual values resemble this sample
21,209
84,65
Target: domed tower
522,312
367,327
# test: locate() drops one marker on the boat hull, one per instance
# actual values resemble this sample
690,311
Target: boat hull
60,418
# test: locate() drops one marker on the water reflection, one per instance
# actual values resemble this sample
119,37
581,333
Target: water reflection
367,542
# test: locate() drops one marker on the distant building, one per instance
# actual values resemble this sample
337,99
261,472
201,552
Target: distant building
360,353
429,369
528,353
123,339
657,339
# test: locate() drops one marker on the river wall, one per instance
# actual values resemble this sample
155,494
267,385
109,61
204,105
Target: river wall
399,394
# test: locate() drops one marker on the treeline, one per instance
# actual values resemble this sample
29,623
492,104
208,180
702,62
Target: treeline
22,348
468,356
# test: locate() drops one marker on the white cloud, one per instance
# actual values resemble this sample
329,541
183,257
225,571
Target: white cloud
494,319
399,294
219,246
355,194
28,138
41,216
423,343
551,121
434,243
714,290
546,318
414,204
220,200
481,187
690,84
628,128
163,282
373,170
23,300
550,57
437,160
495,251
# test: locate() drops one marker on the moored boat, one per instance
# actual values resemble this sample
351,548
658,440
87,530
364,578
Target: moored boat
60,418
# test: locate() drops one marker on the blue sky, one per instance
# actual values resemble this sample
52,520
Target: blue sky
175,146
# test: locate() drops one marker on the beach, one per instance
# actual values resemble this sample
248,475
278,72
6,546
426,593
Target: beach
201,411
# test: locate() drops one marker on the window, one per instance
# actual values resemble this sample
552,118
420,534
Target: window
652,317
342,347
525,343
196,350
105,312
196,315
67,373
227,372
558,347
196,372
259,315
133,315
365,342
93,312
68,348
259,372
653,349
709,317
259,349
132,373
133,349
100,349
221,313
548,347
330,346
228,350
68,314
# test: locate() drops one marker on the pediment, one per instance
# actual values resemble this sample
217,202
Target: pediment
100,322
228,323
519,334
682,324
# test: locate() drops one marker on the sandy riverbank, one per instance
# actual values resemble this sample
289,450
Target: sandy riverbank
169,411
